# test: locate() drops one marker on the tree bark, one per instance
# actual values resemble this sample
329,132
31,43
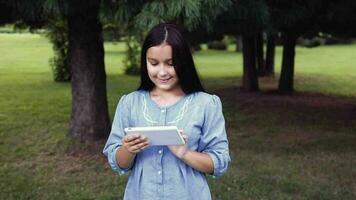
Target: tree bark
270,54
238,43
259,54
250,77
287,75
89,117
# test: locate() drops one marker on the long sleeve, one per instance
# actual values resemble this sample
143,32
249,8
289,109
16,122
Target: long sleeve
214,140
114,142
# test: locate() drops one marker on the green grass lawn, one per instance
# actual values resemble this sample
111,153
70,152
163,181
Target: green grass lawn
282,147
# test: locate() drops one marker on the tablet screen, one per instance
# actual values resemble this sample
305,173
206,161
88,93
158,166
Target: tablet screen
158,135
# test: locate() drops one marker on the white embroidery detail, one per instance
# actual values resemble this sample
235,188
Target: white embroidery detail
182,111
179,117
146,115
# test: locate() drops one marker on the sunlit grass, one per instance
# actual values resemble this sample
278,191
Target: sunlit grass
294,147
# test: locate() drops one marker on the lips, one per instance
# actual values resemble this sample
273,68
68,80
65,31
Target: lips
164,80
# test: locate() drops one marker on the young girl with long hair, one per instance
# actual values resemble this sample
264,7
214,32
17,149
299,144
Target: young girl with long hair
170,94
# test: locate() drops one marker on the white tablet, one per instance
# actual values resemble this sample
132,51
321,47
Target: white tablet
158,135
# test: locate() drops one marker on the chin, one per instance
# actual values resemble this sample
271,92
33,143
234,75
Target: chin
164,87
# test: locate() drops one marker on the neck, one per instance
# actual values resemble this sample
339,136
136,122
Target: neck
178,92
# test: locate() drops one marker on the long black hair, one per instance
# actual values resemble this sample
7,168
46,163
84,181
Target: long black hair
182,58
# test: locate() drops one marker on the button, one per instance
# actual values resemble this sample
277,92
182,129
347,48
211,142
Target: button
159,172
160,152
163,111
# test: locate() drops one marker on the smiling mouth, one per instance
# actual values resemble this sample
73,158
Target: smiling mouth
164,79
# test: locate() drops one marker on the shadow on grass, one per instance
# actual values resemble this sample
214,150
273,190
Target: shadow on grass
302,122
264,121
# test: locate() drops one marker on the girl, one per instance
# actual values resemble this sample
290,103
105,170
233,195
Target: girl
170,94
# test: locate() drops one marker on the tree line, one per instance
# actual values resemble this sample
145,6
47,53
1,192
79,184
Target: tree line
75,28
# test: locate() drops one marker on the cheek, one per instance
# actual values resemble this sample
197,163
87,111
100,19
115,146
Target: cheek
150,70
175,75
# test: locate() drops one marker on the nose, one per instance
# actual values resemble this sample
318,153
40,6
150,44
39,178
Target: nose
162,70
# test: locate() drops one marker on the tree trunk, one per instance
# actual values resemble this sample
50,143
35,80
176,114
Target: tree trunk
287,74
250,79
271,46
238,43
259,54
89,118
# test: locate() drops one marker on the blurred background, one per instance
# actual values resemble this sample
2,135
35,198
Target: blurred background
284,69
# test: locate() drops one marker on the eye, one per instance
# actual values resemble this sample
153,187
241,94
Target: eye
154,63
170,64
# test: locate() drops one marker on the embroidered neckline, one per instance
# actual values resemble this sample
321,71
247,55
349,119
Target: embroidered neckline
182,111
146,114
178,118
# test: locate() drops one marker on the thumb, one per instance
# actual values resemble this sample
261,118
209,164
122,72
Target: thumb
185,137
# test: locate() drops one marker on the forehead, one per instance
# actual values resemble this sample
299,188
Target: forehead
160,52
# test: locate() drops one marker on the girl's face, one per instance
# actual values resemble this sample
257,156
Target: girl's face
160,67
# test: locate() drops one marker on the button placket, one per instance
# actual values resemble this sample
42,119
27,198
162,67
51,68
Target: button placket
162,122
163,116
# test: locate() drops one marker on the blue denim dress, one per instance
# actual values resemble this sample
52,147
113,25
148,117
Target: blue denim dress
156,173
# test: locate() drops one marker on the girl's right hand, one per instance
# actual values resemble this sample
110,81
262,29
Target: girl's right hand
135,143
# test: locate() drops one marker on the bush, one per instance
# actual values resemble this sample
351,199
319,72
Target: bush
334,40
310,43
217,45
229,39
57,32
132,58
111,33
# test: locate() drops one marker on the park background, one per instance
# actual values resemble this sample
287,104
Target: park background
290,139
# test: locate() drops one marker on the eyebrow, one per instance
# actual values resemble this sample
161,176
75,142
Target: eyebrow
170,59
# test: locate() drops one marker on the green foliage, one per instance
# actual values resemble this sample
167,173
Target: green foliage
112,32
248,16
11,28
217,45
298,16
189,13
132,59
57,32
229,39
310,42
137,17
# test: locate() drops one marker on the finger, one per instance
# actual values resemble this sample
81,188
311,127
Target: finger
146,144
185,138
145,139
144,147
129,138
136,141
139,147
134,148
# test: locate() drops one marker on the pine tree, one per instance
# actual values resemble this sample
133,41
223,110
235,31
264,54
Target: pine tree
247,17
137,17
292,18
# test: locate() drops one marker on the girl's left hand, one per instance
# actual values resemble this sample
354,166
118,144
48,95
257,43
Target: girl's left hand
180,150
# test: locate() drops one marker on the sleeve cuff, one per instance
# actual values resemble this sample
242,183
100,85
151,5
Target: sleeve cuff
114,165
220,164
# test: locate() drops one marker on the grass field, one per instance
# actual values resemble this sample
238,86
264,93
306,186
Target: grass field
282,147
